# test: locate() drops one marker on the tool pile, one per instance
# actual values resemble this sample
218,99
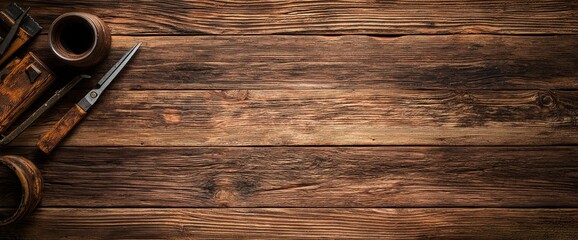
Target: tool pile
78,39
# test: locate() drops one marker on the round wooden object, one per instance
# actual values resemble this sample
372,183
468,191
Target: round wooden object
79,39
31,182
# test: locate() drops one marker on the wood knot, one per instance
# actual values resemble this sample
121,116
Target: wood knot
225,198
171,116
234,95
546,100
560,106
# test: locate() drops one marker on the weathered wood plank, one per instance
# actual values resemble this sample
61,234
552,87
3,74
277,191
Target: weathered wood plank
322,117
322,17
306,62
275,223
311,177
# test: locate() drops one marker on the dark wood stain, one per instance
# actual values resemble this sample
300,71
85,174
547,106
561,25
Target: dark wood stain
343,62
320,117
316,119
322,17
18,92
311,177
308,223
10,192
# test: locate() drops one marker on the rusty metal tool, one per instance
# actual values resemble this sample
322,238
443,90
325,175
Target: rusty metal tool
78,111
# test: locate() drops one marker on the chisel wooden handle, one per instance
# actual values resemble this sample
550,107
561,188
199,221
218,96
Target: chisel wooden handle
61,129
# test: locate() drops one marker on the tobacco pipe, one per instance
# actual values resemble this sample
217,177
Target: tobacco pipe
28,174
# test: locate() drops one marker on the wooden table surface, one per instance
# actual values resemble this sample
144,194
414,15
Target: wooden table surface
319,119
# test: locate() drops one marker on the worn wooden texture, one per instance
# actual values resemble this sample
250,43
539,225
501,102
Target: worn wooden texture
165,152
30,180
315,223
21,37
322,17
10,191
346,62
311,177
322,117
17,92
61,129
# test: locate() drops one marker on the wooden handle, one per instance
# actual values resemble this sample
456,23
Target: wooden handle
61,129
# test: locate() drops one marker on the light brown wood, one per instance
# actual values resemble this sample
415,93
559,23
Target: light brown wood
311,177
322,17
312,223
323,117
345,62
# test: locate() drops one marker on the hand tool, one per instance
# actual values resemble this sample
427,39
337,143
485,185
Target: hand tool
77,112
5,140
28,28
27,172
12,33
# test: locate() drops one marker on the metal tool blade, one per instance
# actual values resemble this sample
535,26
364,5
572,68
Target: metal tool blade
47,105
91,97
12,33
119,65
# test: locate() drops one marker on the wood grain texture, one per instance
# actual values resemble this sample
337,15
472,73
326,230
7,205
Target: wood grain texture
254,120
61,129
322,17
344,62
17,92
31,184
22,36
275,223
311,177
322,117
